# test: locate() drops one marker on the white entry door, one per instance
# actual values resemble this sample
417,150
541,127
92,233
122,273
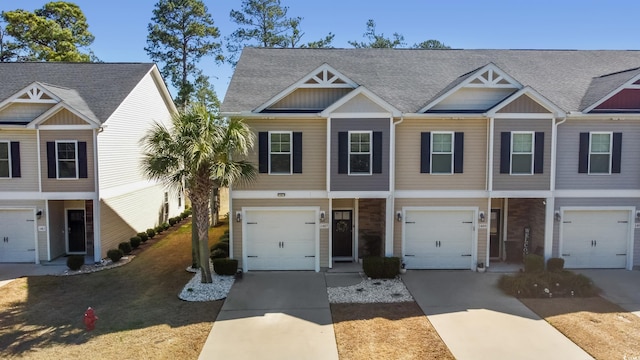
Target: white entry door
17,236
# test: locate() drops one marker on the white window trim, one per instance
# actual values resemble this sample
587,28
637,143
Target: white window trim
532,153
370,152
451,133
610,153
9,158
75,142
290,152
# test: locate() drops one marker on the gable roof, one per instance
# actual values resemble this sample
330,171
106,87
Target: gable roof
604,86
408,79
94,89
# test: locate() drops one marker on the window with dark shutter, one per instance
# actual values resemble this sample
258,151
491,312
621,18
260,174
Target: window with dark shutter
15,159
425,152
538,160
5,160
458,153
377,152
263,152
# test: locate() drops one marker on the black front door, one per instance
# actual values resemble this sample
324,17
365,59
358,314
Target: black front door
75,224
342,233
494,234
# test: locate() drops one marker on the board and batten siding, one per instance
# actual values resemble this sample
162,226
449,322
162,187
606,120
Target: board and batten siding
311,99
64,117
23,112
522,182
238,204
567,176
373,182
480,203
119,147
314,144
473,177
597,202
67,185
28,180
523,104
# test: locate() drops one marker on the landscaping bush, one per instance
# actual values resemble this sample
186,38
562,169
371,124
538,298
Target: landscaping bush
377,267
143,236
159,229
547,285
224,237
533,263
115,254
555,264
135,242
125,247
225,266
219,254
165,226
151,233
75,262
173,221
221,245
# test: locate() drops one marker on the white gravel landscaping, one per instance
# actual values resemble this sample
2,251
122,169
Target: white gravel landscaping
197,291
371,291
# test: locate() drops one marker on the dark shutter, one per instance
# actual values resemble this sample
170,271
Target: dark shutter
377,152
297,153
583,157
458,153
425,152
343,152
51,159
616,157
263,152
15,159
505,152
82,159
538,157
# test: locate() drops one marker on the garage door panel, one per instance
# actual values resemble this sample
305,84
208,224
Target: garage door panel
17,230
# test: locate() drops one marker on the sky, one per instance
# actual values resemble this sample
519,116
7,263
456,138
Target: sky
120,26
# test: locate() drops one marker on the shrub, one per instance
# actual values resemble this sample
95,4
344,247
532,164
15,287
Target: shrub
377,267
165,226
173,221
135,242
75,262
547,285
224,237
219,254
159,229
143,236
151,233
225,266
125,247
221,245
115,254
533,263
555,264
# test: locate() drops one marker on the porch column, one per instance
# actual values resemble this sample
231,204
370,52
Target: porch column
97,240
548,227
388,228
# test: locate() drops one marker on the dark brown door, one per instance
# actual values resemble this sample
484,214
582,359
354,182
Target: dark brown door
494,234
75,224
342,233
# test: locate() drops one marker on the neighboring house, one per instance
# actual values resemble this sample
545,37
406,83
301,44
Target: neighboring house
70,179
445,158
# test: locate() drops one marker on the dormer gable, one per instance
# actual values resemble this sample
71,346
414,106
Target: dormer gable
526,103
361,103
313,93
614,93
474,92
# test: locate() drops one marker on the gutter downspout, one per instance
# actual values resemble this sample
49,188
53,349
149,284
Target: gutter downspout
490,148
97,224
328,186
550,202
392,189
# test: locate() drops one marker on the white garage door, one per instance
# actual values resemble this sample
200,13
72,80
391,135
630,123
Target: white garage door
595,239
438,239
280,239
17,236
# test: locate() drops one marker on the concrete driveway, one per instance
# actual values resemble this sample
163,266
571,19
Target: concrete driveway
477,321
10,272
274,315
621,287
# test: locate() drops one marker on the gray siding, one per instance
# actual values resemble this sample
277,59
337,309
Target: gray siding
522,182
567,176
524,104
312,99
373,182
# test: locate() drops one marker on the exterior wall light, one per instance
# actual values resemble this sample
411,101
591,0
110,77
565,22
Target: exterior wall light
557,216
399,216
238,216
322,216
481,216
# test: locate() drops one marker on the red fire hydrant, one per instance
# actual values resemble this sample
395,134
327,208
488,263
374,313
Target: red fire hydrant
90,319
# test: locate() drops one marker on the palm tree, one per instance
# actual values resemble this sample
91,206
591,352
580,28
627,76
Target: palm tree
196,153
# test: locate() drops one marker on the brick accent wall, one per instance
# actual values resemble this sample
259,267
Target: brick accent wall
371,226
525,213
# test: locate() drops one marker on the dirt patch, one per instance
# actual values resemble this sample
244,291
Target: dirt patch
601,328
386,331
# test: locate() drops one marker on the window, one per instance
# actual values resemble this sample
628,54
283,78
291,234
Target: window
280,152
5,160
66,159
600,153
441,153
360,153
165,207
522,146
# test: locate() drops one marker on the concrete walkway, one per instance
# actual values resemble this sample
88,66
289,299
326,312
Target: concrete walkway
621,287
10,272
274,315
476,321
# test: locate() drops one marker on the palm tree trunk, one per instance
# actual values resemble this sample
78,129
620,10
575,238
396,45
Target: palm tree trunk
200,200
195,246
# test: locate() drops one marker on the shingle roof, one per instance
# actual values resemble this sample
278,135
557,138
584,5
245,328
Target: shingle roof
408,79
95,88
601,86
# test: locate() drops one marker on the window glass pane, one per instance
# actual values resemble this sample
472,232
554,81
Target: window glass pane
337,215
599,164
441,163
359,164
281,163
346,215
521,164
442,142
4,168
4,151
66,169
66,160
522,143
66,151
600,143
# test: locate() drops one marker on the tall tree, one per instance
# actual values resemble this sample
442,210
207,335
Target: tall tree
57,32
196,153
181,33
379,41
265,23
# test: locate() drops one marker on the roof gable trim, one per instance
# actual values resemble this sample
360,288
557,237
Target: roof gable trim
633,83
57,108
329,112
554,110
